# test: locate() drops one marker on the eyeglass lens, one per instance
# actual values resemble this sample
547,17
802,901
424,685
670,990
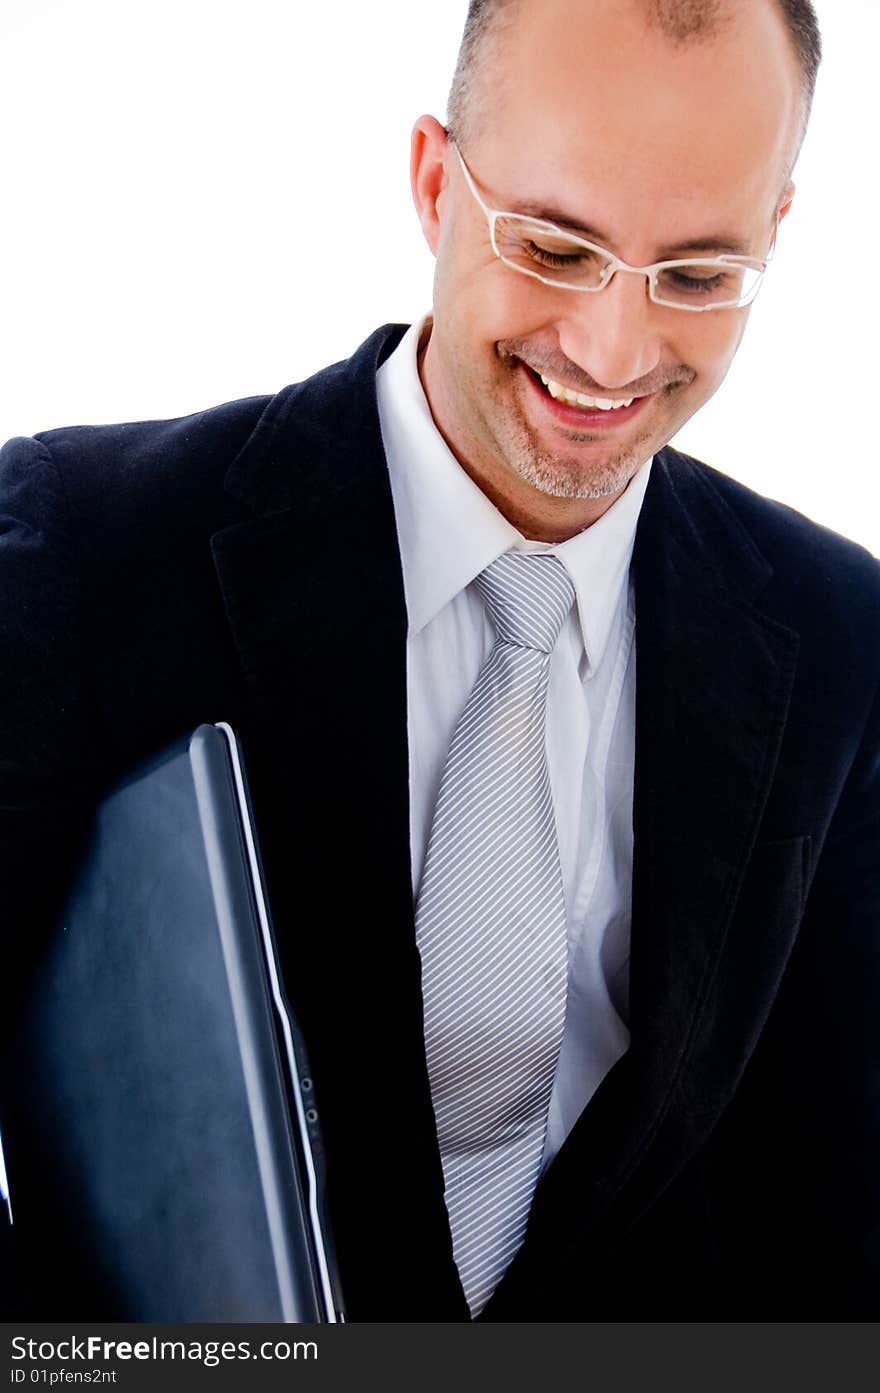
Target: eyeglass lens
539,250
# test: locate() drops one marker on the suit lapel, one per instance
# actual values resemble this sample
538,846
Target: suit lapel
714,677
314,595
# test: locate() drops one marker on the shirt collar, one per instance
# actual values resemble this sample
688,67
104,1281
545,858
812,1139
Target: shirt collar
449,531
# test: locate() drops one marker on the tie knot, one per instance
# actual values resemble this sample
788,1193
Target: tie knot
528,596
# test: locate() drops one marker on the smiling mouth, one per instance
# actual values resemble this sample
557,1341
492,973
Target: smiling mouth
595,407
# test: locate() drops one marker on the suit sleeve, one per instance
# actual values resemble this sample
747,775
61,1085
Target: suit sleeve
842,927
48,729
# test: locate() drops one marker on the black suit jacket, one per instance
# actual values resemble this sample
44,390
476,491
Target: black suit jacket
242,564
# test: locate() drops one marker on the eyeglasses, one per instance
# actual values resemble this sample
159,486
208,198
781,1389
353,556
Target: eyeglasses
548,254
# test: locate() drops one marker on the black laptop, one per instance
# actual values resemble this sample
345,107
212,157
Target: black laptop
172,1107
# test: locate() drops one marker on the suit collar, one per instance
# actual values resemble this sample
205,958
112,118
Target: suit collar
450,530
329,419
690,532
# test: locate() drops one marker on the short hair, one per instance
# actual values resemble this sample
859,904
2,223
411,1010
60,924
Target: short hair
680,20
483,21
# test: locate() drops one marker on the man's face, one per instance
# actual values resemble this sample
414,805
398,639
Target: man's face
592,120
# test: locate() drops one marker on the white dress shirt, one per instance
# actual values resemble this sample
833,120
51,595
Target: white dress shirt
449,532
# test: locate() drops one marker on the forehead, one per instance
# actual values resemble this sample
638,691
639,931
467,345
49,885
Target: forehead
583,101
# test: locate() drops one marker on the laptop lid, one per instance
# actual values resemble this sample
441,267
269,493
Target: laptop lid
162,1086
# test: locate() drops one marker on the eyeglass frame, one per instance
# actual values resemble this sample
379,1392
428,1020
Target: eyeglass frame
615,263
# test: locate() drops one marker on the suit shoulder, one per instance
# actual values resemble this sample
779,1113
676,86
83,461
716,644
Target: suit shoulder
123,500
120,478
206,440
807,553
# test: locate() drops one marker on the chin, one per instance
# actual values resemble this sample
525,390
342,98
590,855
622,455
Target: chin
586,474
556,480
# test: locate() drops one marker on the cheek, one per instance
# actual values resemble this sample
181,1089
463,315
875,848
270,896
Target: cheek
484,298
709,348
495,309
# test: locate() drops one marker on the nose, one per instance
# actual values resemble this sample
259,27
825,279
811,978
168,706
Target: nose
612,334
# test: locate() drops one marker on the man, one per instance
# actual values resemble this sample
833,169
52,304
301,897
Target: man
599,921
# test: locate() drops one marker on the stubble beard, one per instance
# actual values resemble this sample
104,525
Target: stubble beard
559,477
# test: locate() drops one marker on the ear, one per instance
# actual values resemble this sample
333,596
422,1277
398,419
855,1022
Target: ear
428,175
784,204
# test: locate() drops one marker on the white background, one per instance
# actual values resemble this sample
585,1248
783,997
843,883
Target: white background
204,200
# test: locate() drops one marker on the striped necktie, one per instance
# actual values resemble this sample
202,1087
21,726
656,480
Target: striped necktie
490,926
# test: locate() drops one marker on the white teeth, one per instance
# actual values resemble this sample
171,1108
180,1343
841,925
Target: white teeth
565,394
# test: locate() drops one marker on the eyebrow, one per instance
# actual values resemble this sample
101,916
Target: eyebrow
729,245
